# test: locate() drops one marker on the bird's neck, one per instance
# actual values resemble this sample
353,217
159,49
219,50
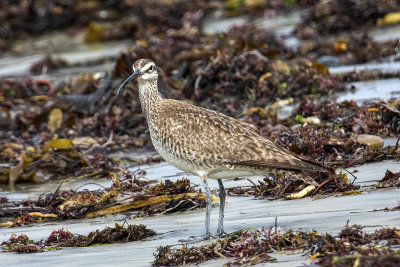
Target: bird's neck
148,94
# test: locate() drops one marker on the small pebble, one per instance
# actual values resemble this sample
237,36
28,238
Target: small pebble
371,141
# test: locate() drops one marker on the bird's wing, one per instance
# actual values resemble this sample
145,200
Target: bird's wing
221,139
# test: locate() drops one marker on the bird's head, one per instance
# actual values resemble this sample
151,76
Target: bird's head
143,69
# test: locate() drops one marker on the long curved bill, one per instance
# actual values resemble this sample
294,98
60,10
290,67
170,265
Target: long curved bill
130,78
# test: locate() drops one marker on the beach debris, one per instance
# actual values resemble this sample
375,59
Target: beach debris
354,246
146,198
304,192
61,238
389,180
330,17
389,18
21,244
372,141
252,246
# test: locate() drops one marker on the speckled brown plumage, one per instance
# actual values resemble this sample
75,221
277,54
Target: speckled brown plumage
214,141
205,142
201,140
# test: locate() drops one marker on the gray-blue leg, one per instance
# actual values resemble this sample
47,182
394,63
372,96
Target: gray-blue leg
207,191
222,194
207,233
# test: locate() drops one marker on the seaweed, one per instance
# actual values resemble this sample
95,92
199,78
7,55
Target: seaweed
389,180
61,238
147,199
252,246
328,17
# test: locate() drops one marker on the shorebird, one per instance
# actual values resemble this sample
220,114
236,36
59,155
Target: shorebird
207,143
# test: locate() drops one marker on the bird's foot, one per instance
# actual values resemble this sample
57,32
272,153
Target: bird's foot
195,239
220,233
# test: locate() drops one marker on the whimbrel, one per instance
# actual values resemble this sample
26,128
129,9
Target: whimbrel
207,143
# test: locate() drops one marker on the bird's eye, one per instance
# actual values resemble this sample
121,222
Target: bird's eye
151,68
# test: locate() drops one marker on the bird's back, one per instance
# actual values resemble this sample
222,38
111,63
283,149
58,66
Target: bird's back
201,140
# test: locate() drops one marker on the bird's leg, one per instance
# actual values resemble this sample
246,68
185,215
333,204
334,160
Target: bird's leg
222,194
207,234
207,190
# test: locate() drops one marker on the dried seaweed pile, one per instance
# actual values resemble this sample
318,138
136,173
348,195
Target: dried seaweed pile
130,193
262,8
174,205
245,247
345,49
60,205
290,186
355,246
327,17
104,19
348,21
163,197
43,137
378,117
391,179
63,238
234,83
27,107
20,244
54,160
333,147
334,132
252,247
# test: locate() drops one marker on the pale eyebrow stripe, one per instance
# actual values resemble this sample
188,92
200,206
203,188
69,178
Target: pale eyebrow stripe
148,65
